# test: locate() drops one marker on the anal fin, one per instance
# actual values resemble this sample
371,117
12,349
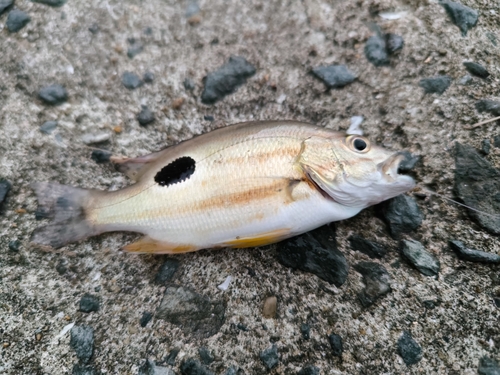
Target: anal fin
147,245
260,239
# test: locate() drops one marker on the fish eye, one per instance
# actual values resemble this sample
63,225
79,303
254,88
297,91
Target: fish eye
359,144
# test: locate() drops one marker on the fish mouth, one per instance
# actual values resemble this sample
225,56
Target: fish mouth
399,167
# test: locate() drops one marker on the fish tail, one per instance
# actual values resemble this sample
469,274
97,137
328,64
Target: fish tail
66,207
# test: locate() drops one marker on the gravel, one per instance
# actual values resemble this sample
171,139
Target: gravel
488,366
473,255
270,357
490,106
336,344
5,5
131,80
401,214
476,69
82,342
462,16
145,116
48,127
5,187
54,94
145,318
334,76
370,248
89,303
420,258
309,370
435,85
409,349
52,3
376,51
205,355
377,281
167,271
16,20
193,367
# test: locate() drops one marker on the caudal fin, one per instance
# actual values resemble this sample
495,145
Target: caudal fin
65,205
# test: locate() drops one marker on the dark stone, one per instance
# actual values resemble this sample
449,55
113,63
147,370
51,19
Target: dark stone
233,370
80,369
409,162
490,106
334,76
208,118
5,5
145,318
52,3
242,327
376,51
48,127
496,141
497,301
393,43
473,255
189,84
309,370
82,342
145,116
336,344
205,355
149,368
488,366
462,16
305,330
94,28
409,349
476,69
435,85
270,357
148,77
134,50
167,270
170,359
314,252
193,367
100,156
226,79
53,94
14,246
401,215
5,187
477,184
377,281
193,312
370,248
16,20
62,266
486,146
131,80
423,261
89,303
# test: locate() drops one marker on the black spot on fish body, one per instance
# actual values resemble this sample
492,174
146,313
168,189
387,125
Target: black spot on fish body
177,171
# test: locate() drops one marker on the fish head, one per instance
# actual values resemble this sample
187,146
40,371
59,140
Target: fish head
357,173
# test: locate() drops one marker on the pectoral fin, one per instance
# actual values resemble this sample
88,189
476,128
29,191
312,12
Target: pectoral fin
260,239
146,245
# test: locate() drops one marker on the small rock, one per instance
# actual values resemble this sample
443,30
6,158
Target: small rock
465,80
177,103
401,214
53,94
193,312
148,77
145,116
476,69
336,344
488,366
189,84
145,318
167,271
94,28
377,281
16,20
370,248
462,16
89,303
270,357
149,368
100,156
131,80
490,106
62,266
409,162
226,79
48,127
170,359
393,43
134,50
205,355
270,307
376,51
315,252
82,342
424,261
409,349
435,85
309,370
14,245
208,118
233,370
193,367
52,3
305,330
496,141
486,146
5,187
5,5
242,327
80,369
334,76
497,302
473,255
192,9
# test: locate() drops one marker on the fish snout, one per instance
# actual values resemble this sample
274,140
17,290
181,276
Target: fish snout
399,165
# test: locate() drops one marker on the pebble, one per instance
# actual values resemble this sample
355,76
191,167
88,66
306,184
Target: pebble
497,302
496,141
5,5
149,368
401,214
145,116
52,3
305,330
409,162
205,355
134,50
334,76
193,367
80,369
490,106
131,80
473,255
145,318
376,51
192,9
233,370
16,20
488,366
62,266
189,84
170,359
462,16
167,271
48,127
5,187
148,77
101,156
435,85
54,94
409,349
90,138
465,80
270,307
370,248
394,43
485,146
336,344
424,261
89,303
94,28
193,312
208,118
476,69
314,252
477,184
226,79
309,370
377,281
270,357
14,245
82,342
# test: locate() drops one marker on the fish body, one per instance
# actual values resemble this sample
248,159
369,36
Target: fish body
244,185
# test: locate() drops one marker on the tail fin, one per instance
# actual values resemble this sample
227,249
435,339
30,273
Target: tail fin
65,205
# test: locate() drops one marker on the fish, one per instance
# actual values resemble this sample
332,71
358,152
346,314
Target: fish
244,185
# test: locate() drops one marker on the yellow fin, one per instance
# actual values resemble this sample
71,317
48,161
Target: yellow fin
146,245
259,240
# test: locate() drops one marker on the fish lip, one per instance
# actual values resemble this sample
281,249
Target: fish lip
398,167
